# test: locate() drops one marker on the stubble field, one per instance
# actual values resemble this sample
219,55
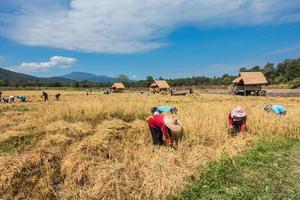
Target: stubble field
99,146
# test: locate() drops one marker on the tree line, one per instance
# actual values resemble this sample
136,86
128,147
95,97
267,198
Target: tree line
286,72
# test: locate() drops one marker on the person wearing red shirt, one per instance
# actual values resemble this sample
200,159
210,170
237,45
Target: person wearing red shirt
161,128
237,121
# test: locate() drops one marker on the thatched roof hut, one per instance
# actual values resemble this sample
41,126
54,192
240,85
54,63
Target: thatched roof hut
118,86
249,83
161,84
250,78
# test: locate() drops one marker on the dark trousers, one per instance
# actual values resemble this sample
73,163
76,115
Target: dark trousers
157,135
236,128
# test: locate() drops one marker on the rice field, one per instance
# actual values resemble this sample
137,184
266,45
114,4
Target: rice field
99,146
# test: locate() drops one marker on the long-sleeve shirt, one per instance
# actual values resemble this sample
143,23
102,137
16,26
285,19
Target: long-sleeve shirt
163,109
157,121
22,98
278,109
241,122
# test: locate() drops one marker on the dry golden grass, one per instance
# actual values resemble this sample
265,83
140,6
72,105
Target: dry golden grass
99,146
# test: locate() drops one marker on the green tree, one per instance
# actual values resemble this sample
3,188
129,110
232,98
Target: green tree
295,83
123,79
243,69
149,81
269,72
255,69
76,84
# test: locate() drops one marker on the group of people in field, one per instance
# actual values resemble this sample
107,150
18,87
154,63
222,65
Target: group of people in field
45,96
11,99
164,125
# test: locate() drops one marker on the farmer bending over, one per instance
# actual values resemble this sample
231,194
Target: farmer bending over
278,109
45,96
163,109
57,96
22,98
162,129
237,121
11,99
5,99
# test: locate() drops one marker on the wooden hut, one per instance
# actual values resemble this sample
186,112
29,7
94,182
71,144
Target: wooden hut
160,85
117,87
249,83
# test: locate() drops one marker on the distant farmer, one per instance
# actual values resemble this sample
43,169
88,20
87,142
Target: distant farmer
88,92
106,91
45,96
11,99
22,98
237,121
0,94
5,99
163,109
57,96
278,109
162,129
173,90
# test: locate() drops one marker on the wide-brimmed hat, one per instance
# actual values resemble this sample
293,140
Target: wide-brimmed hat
173,123
238,112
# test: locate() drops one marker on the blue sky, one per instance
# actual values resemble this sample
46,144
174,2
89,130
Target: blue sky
168,38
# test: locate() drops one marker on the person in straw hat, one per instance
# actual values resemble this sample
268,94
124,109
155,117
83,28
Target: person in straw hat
237,120
11,99
162,128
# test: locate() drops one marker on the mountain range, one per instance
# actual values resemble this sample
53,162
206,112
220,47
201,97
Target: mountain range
82,76
9,75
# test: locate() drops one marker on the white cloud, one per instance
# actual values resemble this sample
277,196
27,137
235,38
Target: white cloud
129,26
55,61
285,50
134,76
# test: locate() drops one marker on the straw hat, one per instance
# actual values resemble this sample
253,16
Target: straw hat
268,108
173,123
238,112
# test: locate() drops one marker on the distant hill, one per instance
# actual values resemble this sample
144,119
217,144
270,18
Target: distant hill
56,79
82,76
15,76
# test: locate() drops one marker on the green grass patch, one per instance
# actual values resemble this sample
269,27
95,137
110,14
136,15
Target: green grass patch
22,108
18,108
262,172
17,143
